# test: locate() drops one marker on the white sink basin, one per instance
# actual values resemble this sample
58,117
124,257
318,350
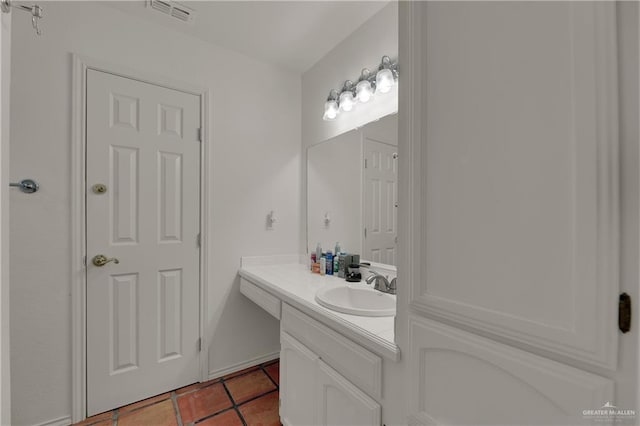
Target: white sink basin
357,300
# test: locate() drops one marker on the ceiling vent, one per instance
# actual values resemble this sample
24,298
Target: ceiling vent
173,9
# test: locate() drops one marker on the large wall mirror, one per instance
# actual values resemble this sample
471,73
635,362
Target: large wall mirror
352,187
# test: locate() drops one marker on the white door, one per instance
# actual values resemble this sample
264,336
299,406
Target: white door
143,310
380,202
509,273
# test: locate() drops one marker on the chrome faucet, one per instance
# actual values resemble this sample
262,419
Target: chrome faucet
381,283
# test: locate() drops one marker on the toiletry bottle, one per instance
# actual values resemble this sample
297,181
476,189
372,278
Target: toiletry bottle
338,250
342,265
336,262
313,260
318,252
323,265
329,257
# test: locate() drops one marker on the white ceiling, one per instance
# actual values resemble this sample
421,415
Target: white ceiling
291,34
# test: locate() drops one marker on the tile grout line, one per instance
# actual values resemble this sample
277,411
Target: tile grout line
217,413
269,376
257,397
235,406
233,401
174,401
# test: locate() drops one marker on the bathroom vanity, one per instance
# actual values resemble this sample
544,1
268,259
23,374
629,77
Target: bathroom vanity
332,365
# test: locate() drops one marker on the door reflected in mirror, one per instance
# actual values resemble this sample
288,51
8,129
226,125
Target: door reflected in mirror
352,187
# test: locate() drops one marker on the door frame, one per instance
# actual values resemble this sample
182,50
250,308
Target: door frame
80,66
5,89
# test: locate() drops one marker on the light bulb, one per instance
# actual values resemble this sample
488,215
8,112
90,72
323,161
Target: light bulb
346,100
384,80
330,110
364,91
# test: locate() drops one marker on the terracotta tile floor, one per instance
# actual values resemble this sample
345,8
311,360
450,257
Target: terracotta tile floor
245,398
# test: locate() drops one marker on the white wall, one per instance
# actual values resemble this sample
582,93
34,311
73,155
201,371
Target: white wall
334,179
362,49
255,143
5,68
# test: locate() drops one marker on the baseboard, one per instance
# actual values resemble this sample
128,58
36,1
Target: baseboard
214,374
60,421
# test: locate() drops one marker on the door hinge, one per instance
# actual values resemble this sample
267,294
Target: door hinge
199,134
624,313
365,232
365,163
198,239
199,344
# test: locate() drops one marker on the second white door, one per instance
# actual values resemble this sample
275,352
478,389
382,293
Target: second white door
143,164
380,202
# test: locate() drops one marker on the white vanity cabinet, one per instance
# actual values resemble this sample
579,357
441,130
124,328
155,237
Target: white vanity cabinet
326,378
313,393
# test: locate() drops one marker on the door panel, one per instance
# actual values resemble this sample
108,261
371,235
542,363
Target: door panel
124,166
170,192
456,368
142,313
124,322
519,187
170,314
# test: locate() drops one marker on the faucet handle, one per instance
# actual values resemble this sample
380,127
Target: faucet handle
382,283
393,286
372,277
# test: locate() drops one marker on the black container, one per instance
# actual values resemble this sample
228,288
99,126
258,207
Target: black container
353,273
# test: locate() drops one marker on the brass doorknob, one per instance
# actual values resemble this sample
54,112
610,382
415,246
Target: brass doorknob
101,260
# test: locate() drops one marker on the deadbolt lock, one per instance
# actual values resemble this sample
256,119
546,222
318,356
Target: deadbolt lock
99,188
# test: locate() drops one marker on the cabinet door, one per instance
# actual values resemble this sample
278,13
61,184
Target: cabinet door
519,163
297,382
341,403
509,191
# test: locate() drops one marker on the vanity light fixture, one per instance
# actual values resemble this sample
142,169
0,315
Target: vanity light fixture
331,106
347,101
385,77
365,88
368,84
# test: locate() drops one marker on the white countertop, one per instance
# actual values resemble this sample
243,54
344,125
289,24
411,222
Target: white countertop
290,281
